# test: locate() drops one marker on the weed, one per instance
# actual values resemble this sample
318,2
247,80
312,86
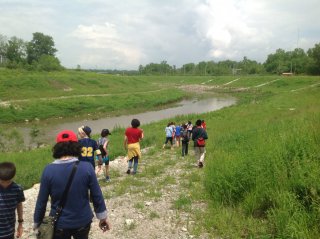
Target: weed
153,215
138,205
182,203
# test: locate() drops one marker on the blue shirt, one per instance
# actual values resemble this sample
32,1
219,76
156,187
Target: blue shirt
10,197
77,211
178,130
89,146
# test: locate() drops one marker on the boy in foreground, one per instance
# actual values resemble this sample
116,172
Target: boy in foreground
11,198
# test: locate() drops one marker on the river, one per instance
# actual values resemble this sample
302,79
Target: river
184,107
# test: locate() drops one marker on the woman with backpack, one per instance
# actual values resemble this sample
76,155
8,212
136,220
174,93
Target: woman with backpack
199,136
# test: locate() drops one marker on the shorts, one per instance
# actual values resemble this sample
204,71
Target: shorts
105,160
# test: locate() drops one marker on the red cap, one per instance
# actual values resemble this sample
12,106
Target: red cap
66,135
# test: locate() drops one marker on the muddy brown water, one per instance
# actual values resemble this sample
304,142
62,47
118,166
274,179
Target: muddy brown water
184,107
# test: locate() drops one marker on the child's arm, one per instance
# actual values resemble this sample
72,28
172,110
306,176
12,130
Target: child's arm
105,146
125,142
20,219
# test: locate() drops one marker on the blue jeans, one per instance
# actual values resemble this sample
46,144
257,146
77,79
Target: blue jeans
135,163
77,233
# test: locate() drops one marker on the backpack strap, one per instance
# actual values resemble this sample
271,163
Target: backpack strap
65,194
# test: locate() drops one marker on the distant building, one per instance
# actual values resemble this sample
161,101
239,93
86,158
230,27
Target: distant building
287,74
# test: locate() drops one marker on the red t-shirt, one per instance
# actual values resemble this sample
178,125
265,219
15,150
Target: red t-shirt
133,135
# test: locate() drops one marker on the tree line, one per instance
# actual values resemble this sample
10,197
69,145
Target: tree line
296,62
39,54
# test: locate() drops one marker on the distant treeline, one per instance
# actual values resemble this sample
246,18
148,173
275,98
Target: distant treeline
296,62
39,54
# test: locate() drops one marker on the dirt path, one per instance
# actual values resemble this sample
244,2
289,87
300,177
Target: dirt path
151,204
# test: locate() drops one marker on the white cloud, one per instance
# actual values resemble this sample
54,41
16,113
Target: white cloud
106,46
124,34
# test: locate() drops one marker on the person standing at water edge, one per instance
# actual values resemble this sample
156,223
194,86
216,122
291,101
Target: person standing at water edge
76,216
89,146
199,135
11,198
132,138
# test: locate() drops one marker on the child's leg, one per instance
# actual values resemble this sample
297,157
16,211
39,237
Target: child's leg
129,165
106,162
135,164
186,149
107,172
170,139
165,143
183,148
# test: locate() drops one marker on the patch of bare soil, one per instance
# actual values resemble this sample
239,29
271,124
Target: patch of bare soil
202,88
142,210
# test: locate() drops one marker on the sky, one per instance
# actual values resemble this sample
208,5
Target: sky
123,34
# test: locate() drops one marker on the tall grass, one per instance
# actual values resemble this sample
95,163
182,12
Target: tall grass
266,165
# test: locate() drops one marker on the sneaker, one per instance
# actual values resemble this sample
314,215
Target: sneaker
133,173
200,165
128,171
108,179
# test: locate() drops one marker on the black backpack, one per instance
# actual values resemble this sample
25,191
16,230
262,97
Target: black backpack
100,146
185,137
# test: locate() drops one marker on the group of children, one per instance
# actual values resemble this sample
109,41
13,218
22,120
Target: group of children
132,137
180,135
95,150
12,196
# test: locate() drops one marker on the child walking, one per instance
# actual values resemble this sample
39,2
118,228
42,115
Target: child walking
11,198
185,140
133,136
89,146
103,144
169,135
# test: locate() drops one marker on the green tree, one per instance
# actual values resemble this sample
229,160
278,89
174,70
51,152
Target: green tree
299,61
40,45
3,48
15,51
141,69
314,54
278,62
165,68
248,66
48,63
188,68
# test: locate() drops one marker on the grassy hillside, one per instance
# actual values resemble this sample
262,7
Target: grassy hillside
261,178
